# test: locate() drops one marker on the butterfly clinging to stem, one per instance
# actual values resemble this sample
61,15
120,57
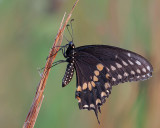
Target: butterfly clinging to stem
98,68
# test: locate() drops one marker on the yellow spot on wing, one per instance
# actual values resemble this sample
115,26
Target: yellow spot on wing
106,85
107,69
98,101
138,71
95,78
107,91
85,106
119,65
119,76
92,106
96,72
100,67
124,63
144,70
79,89
113,79
79,99
148,67
107,76
132,72
113,68
84,86
89,86
130,62
93,84
125,74
103,94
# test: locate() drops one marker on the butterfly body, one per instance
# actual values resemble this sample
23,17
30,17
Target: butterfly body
70,56
98,68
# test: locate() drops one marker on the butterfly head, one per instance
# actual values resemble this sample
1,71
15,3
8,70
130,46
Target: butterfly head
71,44
70,48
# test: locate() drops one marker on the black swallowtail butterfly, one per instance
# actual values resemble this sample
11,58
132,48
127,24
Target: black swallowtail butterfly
98,68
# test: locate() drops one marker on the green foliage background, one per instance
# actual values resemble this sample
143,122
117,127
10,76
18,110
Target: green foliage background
27,32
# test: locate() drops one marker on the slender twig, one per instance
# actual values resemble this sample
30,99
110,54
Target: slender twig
37,101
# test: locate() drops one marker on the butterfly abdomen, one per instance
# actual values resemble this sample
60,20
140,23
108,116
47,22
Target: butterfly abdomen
68,74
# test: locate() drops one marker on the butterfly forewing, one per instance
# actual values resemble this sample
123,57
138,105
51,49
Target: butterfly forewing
123,65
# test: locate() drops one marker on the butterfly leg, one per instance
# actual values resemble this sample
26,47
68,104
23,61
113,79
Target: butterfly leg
61,48
58,62
64,52
54,64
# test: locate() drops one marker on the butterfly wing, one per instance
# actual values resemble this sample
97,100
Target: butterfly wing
122,64
92,85
99,67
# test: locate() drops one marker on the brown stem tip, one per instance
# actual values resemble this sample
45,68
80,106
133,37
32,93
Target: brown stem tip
37,101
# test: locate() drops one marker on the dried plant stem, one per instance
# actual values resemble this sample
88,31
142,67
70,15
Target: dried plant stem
37,101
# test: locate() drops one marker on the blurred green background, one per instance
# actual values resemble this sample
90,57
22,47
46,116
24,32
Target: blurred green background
27,32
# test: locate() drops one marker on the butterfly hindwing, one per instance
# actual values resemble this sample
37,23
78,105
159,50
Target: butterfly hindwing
93,84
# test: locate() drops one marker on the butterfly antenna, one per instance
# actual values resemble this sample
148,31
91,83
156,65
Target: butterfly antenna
72,28
69,31
66,38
